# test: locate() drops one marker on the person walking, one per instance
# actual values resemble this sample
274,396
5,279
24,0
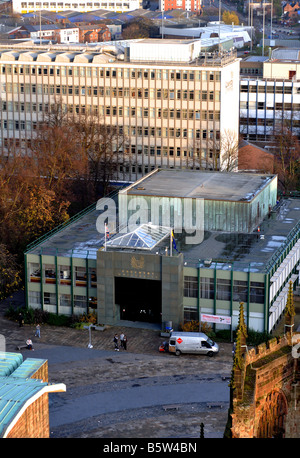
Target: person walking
125,342
121,340
20,319
37,331
116,342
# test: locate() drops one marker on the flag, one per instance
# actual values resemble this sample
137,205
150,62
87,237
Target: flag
174,243
106,232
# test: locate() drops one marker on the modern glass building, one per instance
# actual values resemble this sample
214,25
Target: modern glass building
247,250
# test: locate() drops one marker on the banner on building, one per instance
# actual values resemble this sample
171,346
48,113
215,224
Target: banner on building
216,319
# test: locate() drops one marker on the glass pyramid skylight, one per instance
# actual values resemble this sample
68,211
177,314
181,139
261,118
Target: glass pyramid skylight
145,237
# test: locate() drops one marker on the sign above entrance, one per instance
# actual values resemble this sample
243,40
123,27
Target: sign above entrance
215,319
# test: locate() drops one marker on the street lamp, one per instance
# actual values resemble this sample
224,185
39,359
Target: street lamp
90,335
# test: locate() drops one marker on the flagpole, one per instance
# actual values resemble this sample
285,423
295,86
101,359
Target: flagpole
171,241
105,229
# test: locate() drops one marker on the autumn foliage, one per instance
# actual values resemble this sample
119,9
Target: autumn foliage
69,166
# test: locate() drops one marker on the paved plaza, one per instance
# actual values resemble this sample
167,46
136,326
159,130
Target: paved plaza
126,394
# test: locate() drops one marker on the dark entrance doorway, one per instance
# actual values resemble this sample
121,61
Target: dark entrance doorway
139,299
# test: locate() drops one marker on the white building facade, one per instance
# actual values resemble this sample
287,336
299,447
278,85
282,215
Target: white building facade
27,6
173,112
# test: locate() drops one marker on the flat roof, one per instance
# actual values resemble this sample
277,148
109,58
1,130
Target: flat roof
230,186
246,252
241,251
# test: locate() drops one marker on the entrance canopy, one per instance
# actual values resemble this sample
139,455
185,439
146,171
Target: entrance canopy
145,237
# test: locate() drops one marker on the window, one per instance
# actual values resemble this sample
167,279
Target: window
80,276
34,298
190,286
190,314
257,292
65,300
65,275
223,289
240,291
207,288
80,301
34,272
50,298
50,275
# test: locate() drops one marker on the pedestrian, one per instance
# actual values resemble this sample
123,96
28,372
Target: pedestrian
21,320
37,331
125,342
29,344
233,349
121,340
116,342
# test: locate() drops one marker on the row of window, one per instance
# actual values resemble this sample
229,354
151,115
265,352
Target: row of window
64,300
49,275
88,71
223,289
269,89
153,94
155,132
38,5
266,122
154,113
253,105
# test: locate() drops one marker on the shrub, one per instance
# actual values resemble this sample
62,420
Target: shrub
255,338
193,326
90,317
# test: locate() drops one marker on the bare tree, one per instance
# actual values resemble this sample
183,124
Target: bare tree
287,159
229,151
104,149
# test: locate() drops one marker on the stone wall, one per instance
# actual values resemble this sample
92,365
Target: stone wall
264,394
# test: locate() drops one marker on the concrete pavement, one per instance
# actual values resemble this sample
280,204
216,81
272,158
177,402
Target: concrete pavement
123,394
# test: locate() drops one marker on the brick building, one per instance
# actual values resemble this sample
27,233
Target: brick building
94,34
188,5
290,10
24,401
254,158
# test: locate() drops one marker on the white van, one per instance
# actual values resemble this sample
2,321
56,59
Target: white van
192,342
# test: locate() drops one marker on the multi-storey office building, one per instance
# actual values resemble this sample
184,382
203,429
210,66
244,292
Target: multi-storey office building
272,100
172,106
29,6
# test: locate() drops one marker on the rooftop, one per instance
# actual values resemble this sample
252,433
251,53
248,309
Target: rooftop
253,251
228,186
18,389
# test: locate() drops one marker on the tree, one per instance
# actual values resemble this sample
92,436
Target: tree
40,212
10,273
230,17
229,151
56,156
104,150
287,159
138,28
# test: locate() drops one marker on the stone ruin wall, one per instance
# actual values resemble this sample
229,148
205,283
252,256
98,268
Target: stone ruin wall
268,376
